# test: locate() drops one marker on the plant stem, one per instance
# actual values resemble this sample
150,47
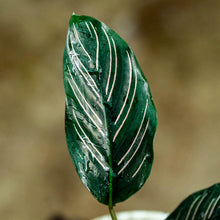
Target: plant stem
112,213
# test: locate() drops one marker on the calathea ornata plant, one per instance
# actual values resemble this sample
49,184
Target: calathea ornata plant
110,118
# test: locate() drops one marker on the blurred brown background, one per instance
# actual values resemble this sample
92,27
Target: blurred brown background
177,44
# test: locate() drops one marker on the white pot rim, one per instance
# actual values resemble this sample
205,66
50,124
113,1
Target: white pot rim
137,215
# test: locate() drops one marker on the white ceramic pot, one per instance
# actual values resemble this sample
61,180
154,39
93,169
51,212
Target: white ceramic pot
137,215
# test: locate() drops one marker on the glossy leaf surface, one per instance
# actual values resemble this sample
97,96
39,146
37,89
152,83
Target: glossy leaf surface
202,205
110,117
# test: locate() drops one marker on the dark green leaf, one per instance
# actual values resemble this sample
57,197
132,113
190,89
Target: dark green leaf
110,117
202,205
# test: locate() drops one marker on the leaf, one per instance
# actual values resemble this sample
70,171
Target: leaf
110,118
202,205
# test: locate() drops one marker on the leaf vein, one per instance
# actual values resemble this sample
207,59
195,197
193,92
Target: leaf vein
135,149
110,62
97,46
139,168
85,109
207,210
197,207
142,121
90,150
100,121
129,87
77,36
125,118
190,208
213,207
77,64
116,63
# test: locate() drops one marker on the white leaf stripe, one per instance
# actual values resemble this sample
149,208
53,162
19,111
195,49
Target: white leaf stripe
110,62
77,122
76,55
88,28
135,149
213,207
125,118
197,207
129,87
77,36
93,154
85,109
207,210
97,117
97,45
177,217
142,121
190,208
94,84
139,168
116,63
77,65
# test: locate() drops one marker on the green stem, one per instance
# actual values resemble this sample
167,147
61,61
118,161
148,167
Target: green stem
112,213
110,204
